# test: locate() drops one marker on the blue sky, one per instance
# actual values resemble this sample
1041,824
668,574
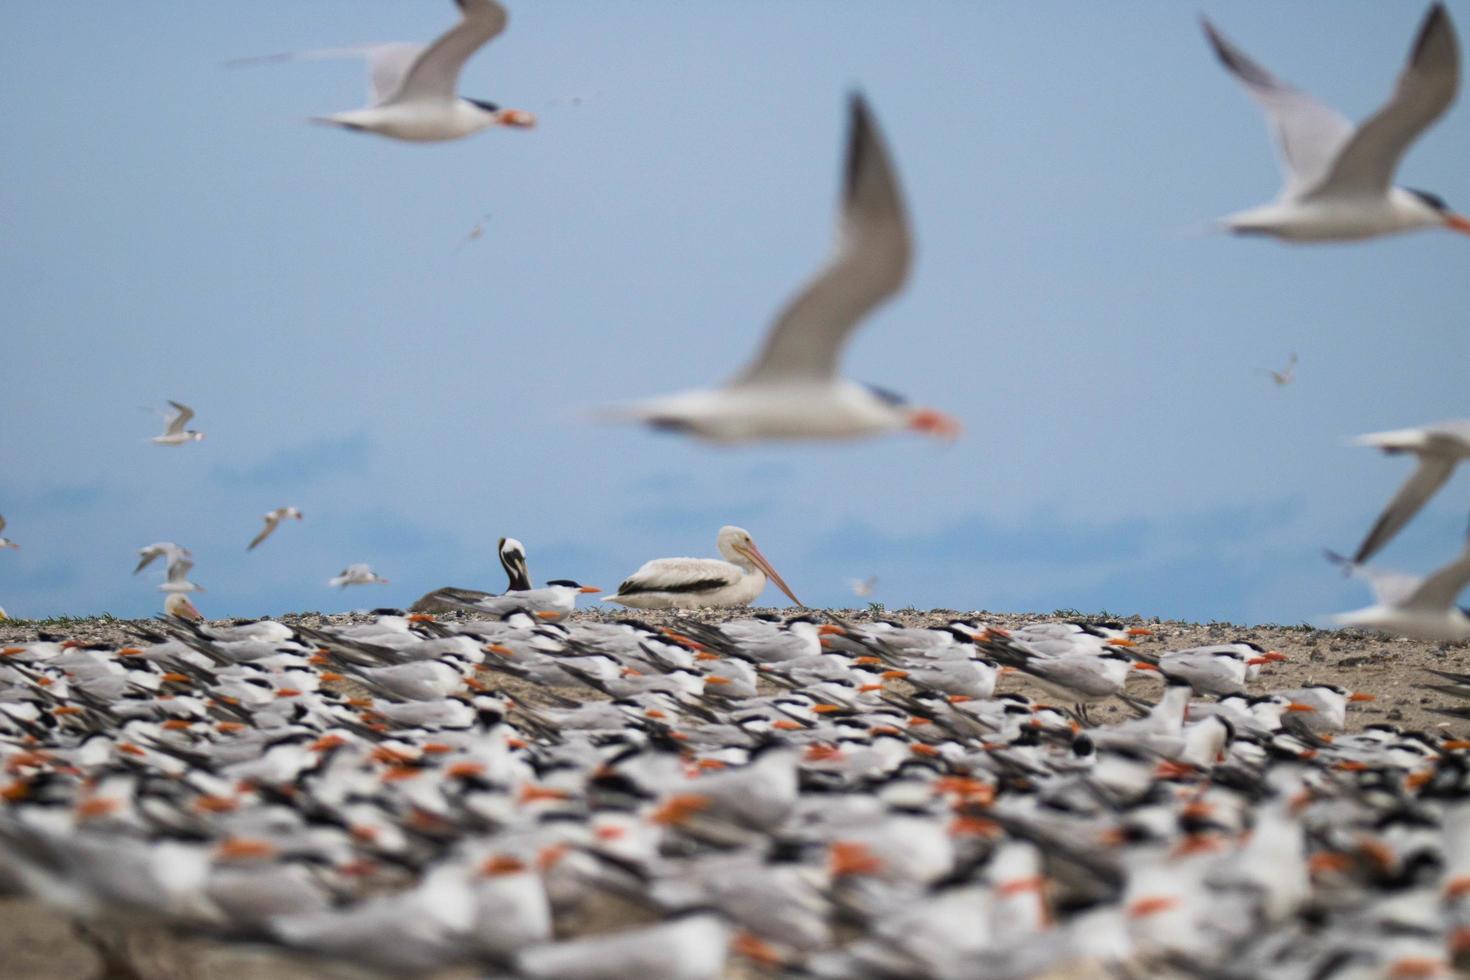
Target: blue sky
170,228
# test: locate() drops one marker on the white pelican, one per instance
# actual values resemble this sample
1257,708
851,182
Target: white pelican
1422,609
688,583
360,574
1440,449
792,389
1339,177
178,604
175,434
4,541
414,85
272,521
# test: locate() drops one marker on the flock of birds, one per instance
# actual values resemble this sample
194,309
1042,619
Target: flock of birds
457,783
808,797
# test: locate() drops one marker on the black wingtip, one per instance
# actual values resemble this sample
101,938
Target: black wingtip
859,137
1436,21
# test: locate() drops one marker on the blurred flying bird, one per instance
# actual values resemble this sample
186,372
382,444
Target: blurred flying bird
167,550
272,521
862,587
792,389
1287,374
414,85
359,574
1439,449
475,233
688,583
1423,609
1339,177
4,541
175,434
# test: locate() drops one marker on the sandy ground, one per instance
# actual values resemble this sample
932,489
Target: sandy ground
37,943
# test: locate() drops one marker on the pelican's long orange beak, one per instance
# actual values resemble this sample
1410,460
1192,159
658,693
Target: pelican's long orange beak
935,423
1458,222
754,554
516,117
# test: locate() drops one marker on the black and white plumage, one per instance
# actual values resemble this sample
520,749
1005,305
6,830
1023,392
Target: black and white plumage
689,583
1339,177
1438,450
272,521
792,389
415,86
174,433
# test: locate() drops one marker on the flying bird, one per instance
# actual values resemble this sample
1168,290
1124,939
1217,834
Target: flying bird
4,541
1439,449
688,583
862,587
1287,374
475,233
175,434
272,521
414,86
1423,609
360,574
171,553
792,389
1339,177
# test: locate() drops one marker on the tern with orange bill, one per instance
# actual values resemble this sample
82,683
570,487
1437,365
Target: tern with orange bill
692,583
414,85
1339,177
792,390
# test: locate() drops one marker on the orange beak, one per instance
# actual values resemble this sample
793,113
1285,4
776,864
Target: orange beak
517,117
1274,655
589,589
754,554
1298,706
1139,631
935,423
1456,222
1140,665
1360,696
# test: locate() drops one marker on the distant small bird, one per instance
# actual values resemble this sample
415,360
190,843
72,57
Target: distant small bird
6,542
1287,374
178,604
476,233
1440,448
1339,177
173,554
414,85
688,583
272,521
862,587
360,574
175,434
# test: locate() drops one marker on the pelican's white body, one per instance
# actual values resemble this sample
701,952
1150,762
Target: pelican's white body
691,583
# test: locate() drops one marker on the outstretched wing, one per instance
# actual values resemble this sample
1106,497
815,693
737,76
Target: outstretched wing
1427,478
1308,134
1425,89
435,73
271,523
870,264
176,424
